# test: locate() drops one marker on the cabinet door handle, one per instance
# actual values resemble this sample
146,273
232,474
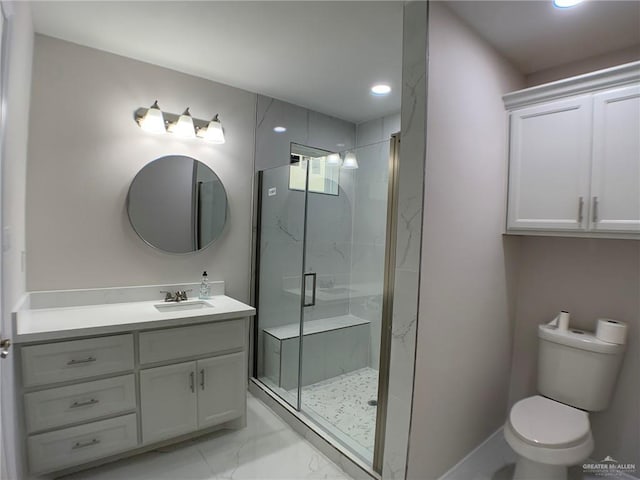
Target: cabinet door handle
594,210
90,443
580,209
93,401
81,361
202,378
192,382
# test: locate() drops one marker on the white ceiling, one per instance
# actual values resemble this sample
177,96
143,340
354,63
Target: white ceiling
321,55
535,35
325,55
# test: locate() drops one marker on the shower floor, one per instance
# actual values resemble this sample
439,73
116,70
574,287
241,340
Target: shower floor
341,403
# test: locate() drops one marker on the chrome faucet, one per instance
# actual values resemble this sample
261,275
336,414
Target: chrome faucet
177,296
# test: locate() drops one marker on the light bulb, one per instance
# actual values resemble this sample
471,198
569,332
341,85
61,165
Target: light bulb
350,161
153,120
214,133
184,126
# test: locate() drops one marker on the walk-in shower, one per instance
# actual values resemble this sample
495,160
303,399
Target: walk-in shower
323,289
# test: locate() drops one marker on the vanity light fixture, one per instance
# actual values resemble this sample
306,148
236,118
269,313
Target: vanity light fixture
566,3
350,161
184,126
213,133
154,120
279,129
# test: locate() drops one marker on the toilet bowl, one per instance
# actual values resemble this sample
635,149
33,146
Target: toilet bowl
548,436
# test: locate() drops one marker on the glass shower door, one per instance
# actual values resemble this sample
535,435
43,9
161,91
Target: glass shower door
345,252
279,288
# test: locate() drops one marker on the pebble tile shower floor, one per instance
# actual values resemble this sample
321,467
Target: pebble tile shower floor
344,402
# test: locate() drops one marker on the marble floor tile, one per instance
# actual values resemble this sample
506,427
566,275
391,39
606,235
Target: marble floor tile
266,449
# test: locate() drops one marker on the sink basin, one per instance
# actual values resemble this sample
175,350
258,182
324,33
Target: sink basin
181,306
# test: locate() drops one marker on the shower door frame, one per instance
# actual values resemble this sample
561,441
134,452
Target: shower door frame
386,316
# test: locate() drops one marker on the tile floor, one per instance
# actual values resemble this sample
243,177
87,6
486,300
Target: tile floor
342,402
266,449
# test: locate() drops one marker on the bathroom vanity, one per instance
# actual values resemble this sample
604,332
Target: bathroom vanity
107,373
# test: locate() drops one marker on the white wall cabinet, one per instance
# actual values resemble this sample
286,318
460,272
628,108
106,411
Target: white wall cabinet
574,156
85,407
615,179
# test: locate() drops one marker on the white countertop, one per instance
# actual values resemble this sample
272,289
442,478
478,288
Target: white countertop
32,325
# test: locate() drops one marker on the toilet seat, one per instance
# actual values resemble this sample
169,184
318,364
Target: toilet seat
542,422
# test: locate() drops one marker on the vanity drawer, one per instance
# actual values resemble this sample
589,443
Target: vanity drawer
72,446
57,407
182,342
60,362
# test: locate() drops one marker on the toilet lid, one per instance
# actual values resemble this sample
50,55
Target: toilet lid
541,421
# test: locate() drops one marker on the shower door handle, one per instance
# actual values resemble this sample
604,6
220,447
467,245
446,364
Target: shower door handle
313,290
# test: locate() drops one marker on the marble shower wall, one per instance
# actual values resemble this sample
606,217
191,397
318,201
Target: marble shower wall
408,238
329,217
370,222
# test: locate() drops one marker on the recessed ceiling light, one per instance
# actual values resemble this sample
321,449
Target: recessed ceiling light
381,89
279,129
566,3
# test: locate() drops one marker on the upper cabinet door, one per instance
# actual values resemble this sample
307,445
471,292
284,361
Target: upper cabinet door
615,188
550,146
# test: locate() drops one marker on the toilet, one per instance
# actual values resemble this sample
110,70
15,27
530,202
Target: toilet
576,374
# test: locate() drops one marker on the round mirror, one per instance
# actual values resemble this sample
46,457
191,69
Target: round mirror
177,204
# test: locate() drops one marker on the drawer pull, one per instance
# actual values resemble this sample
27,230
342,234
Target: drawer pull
93,401
84,360
90,443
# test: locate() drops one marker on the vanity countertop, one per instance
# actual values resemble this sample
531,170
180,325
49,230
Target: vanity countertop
39,324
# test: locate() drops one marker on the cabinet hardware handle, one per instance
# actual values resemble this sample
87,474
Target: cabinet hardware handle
92,401
580,209
84,360
202,378
192,382
90,443
594,217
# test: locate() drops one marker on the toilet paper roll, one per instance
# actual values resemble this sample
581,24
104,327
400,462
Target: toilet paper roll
612,331
563,321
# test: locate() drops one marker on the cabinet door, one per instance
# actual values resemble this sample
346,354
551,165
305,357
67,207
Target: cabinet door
615,188
221,389
168,401
550,147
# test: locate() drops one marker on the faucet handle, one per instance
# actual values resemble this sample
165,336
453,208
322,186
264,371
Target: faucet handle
168,297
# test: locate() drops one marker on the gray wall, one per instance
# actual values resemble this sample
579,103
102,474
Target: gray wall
590,278
626,55
16,94
464,340
84,150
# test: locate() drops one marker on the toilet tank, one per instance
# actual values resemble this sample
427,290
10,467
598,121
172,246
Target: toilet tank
576,368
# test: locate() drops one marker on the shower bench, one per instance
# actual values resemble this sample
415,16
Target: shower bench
331,347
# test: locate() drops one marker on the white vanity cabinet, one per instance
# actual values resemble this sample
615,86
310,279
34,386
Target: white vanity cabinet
574,156
92,398
185,397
